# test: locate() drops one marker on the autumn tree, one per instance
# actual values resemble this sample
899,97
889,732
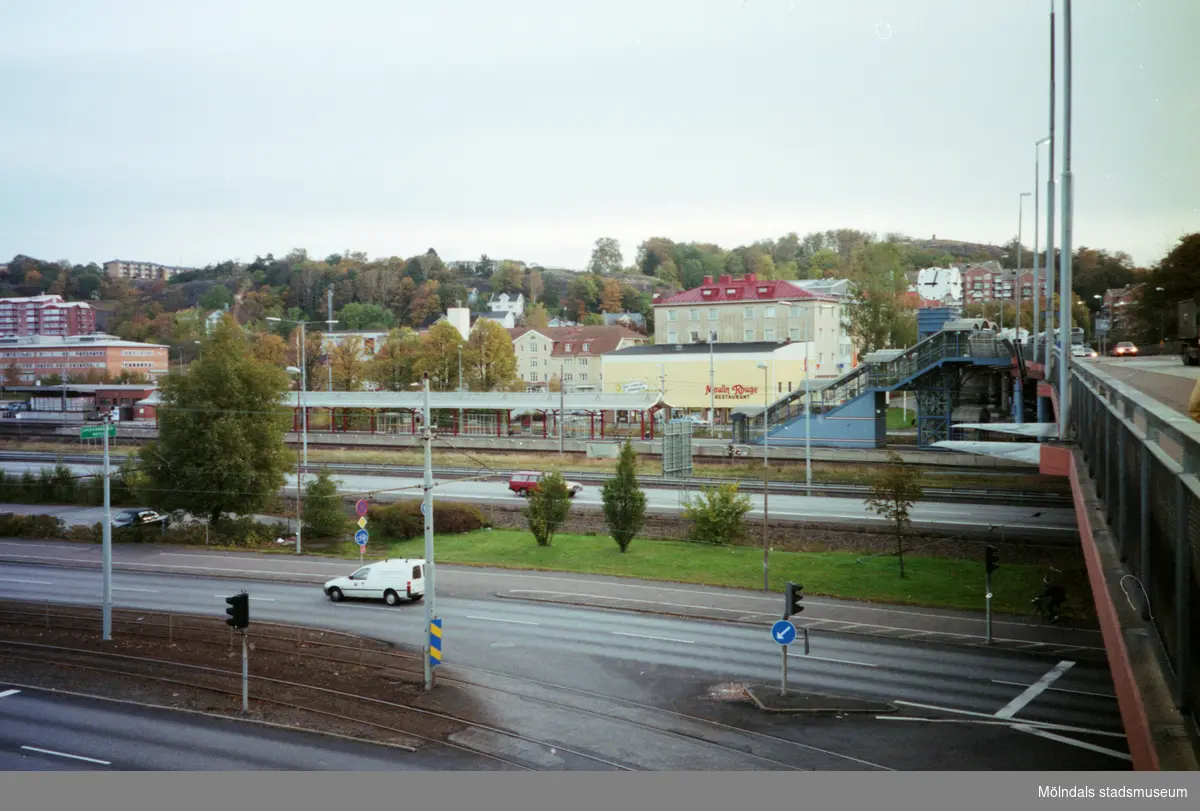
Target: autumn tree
12,374
610,297
606,257
894,490
425,304
349,368
536,317
355,316
489,361
508,278
534,286
438,357
392,365
269,348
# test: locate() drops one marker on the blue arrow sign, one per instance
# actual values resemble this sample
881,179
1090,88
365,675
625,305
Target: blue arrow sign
783,632
360,538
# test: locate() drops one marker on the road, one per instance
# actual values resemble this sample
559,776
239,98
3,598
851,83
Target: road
53,732
1164,378
1050,522
638,689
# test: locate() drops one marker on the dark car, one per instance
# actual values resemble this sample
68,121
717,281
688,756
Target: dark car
134,518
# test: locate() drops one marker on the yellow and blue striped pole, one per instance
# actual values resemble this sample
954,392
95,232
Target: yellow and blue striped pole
435,642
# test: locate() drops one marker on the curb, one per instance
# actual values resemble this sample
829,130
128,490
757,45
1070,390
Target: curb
880,706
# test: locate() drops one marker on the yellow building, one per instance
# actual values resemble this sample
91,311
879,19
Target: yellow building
723,376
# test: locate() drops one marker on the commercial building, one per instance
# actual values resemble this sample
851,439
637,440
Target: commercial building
34,357
146,271
753,310
45,315
724,376
572,355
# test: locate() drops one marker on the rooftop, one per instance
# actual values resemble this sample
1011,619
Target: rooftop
485,401
92,339
702,348
600,339
747,288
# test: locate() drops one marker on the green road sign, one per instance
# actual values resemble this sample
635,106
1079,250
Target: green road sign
96,431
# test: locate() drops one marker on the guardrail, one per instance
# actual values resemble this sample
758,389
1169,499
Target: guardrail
1144,459
836,489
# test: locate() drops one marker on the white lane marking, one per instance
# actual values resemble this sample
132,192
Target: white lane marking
263,599
827,659
498,619
656,638
1057,689
126,588
19,580
1050,736
8,693
1034,690
996,723
64,754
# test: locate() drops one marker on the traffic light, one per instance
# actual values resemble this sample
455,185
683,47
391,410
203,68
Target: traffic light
238,611
991,561
794,595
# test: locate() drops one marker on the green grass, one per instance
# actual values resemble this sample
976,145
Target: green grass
896,418
931,582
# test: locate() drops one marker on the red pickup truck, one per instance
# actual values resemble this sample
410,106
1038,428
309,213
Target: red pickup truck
523,482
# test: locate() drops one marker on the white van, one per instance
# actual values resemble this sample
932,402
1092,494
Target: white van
387,580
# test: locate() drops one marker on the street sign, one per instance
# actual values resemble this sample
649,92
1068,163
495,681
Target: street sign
783,632
360,537
422,508
361,507
96,431
435,642
362,523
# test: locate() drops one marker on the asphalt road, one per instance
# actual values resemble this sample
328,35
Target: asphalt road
54,732
1050,522
643,668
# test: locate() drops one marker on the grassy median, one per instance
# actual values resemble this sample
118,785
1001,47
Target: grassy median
931,582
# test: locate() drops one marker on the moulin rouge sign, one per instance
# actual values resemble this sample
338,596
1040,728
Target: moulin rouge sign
735,392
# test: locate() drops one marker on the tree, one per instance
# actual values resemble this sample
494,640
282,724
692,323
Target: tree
426,303
610,296
507,278
606,257
534,286
893,492
489,361
218,297
12,374
624,501
392,365
438,357
1178,274
549,504
220,443
357,316
269,348
719,515
536,317
348,366
323,514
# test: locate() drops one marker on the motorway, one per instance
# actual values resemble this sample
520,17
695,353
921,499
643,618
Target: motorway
53,732
643,690
1050,522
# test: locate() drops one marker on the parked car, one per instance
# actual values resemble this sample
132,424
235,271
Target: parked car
523,482
134,518
1124,348
387,580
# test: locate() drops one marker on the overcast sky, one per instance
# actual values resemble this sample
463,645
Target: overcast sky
189,133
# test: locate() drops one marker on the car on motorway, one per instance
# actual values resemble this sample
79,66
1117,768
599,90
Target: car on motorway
388,580
524,482
135,518
1079,351
1124,348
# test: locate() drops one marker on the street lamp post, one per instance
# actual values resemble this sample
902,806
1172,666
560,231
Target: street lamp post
1050,217
304,425
1064,318
1038,330
766,450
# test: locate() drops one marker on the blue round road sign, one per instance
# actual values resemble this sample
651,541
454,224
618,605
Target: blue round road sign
360,538
783,632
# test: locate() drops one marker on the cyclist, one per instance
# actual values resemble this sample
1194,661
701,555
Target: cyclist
1052,598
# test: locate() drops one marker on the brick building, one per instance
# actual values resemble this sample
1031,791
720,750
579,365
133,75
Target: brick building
45,315
36,357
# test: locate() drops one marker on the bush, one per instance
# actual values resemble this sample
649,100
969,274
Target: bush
403,520
719,515
324,514
32,526
548,506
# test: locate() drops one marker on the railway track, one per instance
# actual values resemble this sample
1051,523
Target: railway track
763,748
973,495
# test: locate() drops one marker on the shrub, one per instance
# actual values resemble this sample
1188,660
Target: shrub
624,501
324,514
548,506
403,520
718,516
32,526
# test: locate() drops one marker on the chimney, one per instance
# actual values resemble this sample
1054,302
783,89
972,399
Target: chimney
726,279
750,277
707,280
460,319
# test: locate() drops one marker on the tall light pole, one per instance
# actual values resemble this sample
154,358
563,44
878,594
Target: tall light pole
1162,322
807,422
766,435
1020,232
1038,329
1066,297
427,509
712,390
303,422
106,536
331,322
1050,217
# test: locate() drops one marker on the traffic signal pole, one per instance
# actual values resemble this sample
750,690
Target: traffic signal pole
245,674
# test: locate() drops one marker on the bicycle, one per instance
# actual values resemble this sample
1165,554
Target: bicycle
1048,605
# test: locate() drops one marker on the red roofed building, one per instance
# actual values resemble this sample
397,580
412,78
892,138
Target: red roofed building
750,310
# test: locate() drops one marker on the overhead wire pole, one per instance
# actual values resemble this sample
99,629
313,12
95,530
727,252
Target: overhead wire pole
303,465
427,509
106,536
766,453
1066,297
1050,217
331,324
1037,286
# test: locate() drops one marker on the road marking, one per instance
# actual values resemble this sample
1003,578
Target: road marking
1034,690
826,659
125,588
64,754
18,580
1057,689
8,693
988,720
1050,736
656,638
499,619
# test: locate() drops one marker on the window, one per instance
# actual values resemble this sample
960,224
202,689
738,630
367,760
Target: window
796,312
748,312
769,334
671,314
672,337
568,347
695,336
749,335
533,377
416,574
532,364
768,312
694,315
568,361
533,347
583,376
712,314
587,347
583,361
794,334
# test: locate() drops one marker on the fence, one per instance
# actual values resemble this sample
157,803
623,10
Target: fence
1143,458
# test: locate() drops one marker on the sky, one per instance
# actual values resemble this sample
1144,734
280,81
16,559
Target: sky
192,133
